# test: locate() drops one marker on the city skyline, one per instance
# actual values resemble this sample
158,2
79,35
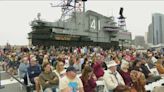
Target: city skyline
16,16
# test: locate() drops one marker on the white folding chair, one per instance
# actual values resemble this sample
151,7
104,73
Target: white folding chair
102,82
158,89
21,79
154,71
28,80
41,89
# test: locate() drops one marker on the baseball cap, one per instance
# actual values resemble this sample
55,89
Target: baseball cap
112,63
71,68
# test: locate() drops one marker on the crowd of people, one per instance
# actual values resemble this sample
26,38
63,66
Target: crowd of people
76,69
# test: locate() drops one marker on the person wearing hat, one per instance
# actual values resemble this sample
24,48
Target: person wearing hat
111,77
71,82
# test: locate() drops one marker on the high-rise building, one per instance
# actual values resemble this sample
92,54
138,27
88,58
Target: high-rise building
150,35
158,29
145,38
162,33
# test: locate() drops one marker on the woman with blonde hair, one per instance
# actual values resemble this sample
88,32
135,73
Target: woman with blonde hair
46,58
138,80
122,88
59,70
125,73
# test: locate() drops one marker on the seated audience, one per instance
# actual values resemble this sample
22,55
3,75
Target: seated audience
33,71
85,63
138,80
88,79
48,79
77,65
151,59
125,73
141,66
97,67
112,77
23,67
71,82
60,71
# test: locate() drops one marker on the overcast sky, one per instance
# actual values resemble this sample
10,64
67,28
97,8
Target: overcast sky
15,16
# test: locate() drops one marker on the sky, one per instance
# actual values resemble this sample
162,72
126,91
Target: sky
16,15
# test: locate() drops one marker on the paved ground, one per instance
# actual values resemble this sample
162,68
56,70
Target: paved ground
15,87
4,76
9,86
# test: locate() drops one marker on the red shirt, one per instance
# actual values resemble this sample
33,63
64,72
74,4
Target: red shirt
97,69
90,85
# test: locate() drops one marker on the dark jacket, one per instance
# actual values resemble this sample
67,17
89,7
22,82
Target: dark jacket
145,70
33,71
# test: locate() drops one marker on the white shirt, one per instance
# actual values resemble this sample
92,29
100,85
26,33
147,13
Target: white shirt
110,80
61,75
74,84
154,60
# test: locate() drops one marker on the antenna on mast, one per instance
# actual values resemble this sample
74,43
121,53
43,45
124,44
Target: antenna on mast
121,20
68,7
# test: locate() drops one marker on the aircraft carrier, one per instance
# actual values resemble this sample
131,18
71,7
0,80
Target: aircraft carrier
78,27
